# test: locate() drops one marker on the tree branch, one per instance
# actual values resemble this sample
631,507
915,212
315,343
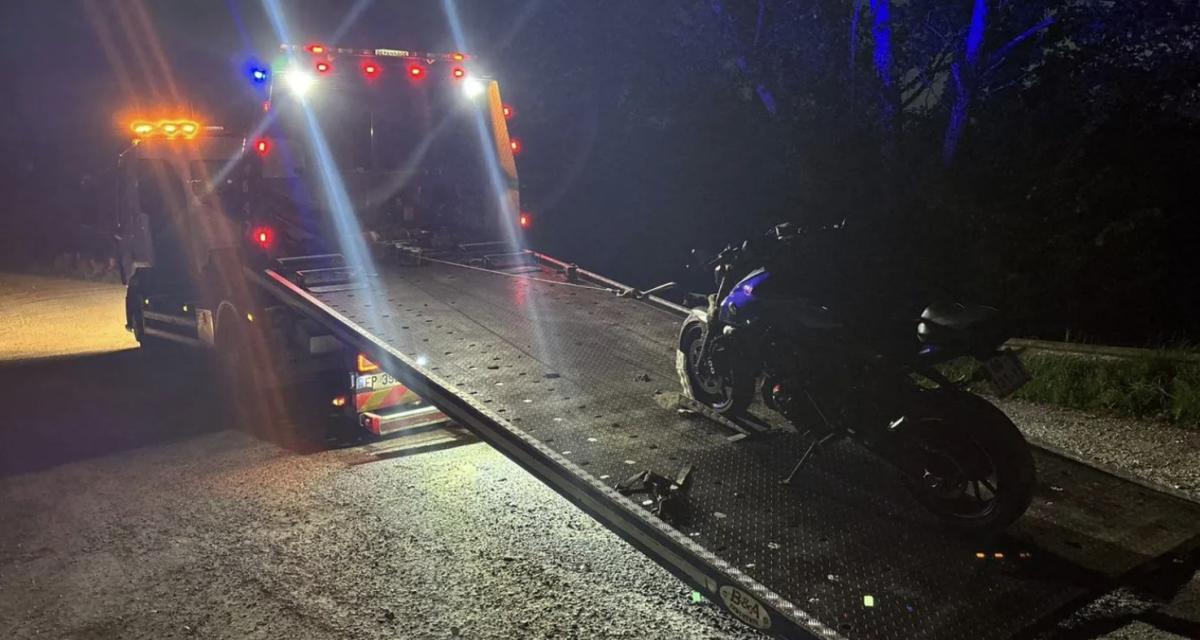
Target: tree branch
997,58
762,7
729,31
939,63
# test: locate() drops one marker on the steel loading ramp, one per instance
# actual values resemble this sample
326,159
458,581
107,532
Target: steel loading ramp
577,385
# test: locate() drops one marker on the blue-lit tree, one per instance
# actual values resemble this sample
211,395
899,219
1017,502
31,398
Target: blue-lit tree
1018,149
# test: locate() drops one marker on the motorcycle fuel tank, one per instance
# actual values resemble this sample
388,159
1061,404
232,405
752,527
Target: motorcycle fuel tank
741,307
758,299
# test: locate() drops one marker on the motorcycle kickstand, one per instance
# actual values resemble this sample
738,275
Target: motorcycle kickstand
817,442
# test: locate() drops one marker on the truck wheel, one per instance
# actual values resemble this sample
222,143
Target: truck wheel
236,366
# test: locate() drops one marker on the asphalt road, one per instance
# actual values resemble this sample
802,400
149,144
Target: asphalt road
132,506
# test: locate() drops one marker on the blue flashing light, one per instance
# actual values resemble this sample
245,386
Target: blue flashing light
255,70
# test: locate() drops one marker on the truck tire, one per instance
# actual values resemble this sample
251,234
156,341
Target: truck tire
235,364
230,349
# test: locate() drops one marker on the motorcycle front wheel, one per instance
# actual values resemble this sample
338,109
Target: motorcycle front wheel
979,474
720,390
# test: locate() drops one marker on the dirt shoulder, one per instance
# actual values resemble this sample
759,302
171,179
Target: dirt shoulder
44,317
1153,451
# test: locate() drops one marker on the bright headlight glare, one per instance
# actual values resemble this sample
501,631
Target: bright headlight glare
472,88
299,82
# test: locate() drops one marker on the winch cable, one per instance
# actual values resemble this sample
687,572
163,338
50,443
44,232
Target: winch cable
520,276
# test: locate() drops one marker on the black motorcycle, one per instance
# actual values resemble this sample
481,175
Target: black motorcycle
836,367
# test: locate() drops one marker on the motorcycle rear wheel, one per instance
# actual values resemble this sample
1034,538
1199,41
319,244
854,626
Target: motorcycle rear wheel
723,392
979,471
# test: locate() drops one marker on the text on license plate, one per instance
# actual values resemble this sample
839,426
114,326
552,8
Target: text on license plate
374,381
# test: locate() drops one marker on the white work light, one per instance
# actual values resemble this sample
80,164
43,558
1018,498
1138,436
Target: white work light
472,88
299,82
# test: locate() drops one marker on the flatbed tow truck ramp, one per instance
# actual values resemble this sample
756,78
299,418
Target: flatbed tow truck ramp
578,385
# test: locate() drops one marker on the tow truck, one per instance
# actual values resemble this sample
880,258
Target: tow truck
194,208
573,376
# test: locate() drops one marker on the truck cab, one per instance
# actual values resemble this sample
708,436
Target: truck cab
188,233
358,152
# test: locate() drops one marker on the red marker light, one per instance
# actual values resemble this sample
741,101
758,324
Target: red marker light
416,70
263,236
323,67
525,220
509,112
263,146
370,69
515,145
458,72
315,48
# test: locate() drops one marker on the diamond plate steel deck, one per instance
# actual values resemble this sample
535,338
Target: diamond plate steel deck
575,384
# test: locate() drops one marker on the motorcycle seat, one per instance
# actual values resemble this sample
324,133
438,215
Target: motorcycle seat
957,316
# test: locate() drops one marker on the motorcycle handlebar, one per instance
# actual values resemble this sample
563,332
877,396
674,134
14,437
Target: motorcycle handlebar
779,233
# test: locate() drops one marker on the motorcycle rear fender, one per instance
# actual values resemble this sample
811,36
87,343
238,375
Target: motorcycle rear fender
940,344
932,354
921,405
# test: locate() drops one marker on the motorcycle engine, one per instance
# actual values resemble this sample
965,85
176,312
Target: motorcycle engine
819,400
792,398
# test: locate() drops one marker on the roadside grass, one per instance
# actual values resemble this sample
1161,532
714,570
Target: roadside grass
1153,386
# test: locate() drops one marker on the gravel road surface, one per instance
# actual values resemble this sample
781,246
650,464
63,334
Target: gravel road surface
132,508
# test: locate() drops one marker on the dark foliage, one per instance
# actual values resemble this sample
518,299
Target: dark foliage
1067,195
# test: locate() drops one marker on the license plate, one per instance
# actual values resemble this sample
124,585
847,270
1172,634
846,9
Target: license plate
1006,373
373,381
